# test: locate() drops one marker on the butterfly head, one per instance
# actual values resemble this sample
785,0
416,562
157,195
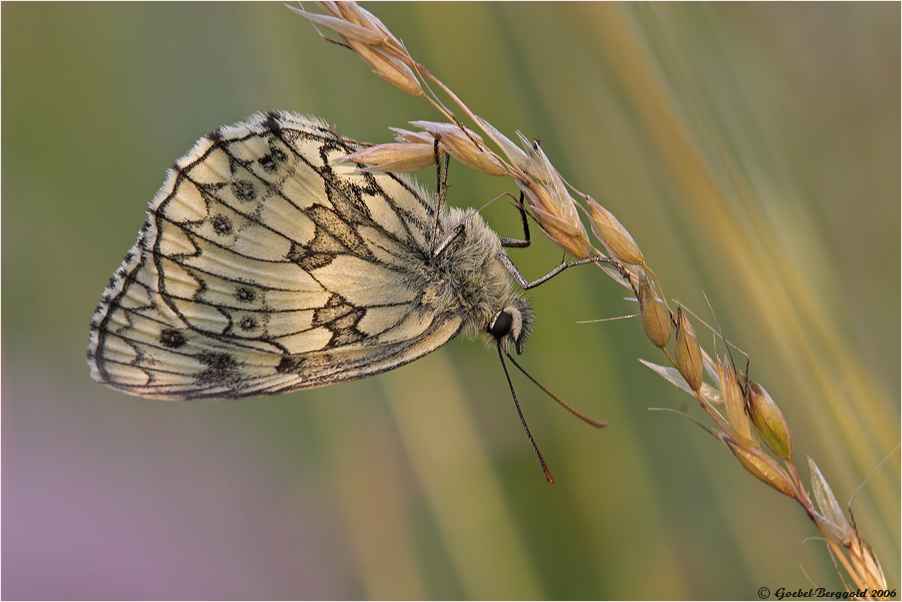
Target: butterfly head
511,326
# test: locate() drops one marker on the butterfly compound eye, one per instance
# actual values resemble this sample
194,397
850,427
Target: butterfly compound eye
501,325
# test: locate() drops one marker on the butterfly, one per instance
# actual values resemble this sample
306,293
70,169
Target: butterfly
266,266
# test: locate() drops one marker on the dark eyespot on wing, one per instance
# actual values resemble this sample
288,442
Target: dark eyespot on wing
221,369
247,295
172,338
244,190
221,225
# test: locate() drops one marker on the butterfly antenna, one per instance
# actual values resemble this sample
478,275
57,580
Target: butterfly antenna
522,419
572,410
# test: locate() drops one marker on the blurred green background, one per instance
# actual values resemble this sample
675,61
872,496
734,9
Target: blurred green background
752,150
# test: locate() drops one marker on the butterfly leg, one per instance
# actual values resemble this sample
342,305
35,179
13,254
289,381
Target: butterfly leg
515,242
441,188
567,264
454,233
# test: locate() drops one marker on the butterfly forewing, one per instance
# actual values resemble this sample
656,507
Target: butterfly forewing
265,267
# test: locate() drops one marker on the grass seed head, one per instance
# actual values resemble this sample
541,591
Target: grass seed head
553,218
831,521
734,403
337,23
394,157
655,315
353,13
763,467
465,145
769,421
687,351
613,235
392,70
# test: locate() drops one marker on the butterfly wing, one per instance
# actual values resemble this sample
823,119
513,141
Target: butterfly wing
264,268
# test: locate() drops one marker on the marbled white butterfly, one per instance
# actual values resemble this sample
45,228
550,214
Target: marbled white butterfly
264,266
